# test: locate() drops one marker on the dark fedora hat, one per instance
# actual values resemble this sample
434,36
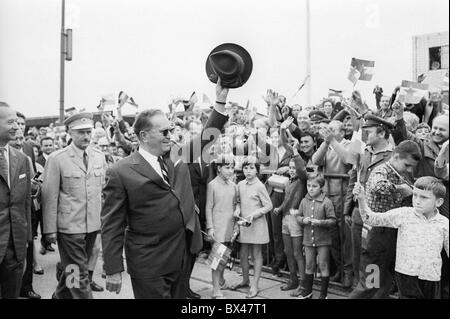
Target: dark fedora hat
231,62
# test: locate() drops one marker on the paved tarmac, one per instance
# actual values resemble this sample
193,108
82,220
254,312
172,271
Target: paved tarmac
200,282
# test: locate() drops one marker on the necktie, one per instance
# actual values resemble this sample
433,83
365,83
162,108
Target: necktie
163,170
85,160
3,163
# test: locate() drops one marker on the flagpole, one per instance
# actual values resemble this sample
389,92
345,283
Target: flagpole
308,54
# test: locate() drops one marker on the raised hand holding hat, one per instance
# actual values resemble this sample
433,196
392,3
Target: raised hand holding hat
231,63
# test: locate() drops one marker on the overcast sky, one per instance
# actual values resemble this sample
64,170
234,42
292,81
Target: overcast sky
155,50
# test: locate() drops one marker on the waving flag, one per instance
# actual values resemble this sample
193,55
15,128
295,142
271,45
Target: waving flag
365,68
332,92
206,99
132,102
108,99
301,85
353,75
412,92
437,79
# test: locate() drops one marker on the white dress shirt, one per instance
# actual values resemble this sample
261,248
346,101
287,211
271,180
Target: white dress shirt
153,161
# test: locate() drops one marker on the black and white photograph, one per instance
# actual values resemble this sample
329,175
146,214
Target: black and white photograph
239,150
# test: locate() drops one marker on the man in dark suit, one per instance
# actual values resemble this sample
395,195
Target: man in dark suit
27,290
148,201
47,147
15,206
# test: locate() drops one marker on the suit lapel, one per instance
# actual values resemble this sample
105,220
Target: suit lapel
141,166
13,166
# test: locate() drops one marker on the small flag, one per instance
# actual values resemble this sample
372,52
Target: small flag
437,79
445,84
122,99
412,92
332,92
131,102
189,104
206,99
353,75
364,67
108,99
301,85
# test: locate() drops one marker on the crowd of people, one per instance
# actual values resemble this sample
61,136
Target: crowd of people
329,190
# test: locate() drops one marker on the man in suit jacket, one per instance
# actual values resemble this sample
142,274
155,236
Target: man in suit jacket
15,206
71,205
47,147
149,209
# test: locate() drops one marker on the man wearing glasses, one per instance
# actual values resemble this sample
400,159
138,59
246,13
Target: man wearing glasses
149,209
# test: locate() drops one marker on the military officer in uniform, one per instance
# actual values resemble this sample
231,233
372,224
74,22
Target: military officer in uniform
378,150
71,205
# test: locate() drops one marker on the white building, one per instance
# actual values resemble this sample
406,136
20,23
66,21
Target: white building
430,53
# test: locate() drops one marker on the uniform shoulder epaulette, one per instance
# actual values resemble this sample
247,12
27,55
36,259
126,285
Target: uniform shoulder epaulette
58,152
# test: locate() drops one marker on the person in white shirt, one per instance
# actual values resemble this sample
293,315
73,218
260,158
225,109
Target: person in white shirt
422,233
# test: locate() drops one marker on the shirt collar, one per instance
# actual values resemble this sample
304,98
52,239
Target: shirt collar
388,148
436,216
148,156
79,152
319,199
221,180
252,182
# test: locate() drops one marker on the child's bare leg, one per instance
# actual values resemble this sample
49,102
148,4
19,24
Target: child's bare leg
257,262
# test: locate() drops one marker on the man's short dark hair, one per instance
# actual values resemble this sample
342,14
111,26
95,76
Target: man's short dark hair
21,115
308,133
46,138
3,104
433,184
410,148
142,121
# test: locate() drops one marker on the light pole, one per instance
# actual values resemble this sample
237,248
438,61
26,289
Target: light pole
66,54
308,55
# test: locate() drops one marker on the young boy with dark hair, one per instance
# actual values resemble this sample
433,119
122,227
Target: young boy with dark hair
422,232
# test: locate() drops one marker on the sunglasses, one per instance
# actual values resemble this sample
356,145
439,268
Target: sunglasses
166,131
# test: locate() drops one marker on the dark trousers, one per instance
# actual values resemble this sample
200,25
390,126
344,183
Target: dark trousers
189,264
169,286
276,236
74,251
27,278
11,271
377,265
444,275
173,285
337,232
410,287
356,230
